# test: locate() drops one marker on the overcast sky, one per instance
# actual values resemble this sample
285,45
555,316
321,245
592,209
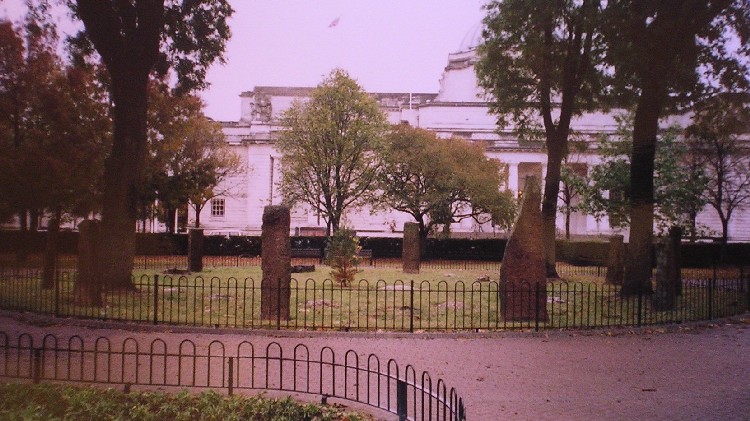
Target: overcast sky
386,45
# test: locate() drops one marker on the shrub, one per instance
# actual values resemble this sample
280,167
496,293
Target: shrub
342,255
56,402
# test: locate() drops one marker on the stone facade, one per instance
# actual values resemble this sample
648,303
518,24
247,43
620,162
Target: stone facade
457,110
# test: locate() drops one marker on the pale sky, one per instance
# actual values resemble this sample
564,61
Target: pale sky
386,45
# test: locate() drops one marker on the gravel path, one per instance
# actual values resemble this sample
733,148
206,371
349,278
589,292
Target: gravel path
697,371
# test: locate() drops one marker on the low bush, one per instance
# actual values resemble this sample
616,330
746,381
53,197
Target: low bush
56,402
342,255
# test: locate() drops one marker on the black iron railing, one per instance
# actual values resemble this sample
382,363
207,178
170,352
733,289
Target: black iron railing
410,306
234,367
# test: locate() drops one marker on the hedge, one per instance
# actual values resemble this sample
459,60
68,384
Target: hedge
574,252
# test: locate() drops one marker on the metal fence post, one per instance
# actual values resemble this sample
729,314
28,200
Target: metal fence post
36,366
401,404
711,285
640,305
537,295
57,293
156,298
411,307
278,304
231,376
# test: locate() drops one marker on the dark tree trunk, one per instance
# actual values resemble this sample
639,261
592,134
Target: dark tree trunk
171,220
556,151
33,220
724,239
639,257
127,36
122,176
50,253
198,209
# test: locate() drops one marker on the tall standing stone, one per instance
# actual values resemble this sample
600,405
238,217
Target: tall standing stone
668,277
523,275
410,251
88,285
276,252
195,250
616,260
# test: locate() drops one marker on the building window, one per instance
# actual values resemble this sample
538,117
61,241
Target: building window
217,207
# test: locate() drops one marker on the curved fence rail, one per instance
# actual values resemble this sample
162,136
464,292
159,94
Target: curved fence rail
378,305
241,366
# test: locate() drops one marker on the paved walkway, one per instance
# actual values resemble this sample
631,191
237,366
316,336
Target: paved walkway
698,371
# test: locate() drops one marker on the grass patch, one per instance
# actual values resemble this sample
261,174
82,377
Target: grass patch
57,402
381,298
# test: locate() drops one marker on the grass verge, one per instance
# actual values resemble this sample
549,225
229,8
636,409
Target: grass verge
58,402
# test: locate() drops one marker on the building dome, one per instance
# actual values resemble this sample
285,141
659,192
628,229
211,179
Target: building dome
472,39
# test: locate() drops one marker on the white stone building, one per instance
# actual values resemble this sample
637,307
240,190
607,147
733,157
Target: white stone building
457,110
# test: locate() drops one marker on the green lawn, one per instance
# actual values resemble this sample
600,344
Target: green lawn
379,299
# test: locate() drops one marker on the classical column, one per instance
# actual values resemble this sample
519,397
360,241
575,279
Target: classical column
513,178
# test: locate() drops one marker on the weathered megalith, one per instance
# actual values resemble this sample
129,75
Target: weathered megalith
523,274
276,252
195,250
88,285
410,251
616,260
668,278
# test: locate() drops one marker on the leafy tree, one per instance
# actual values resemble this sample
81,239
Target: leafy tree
188,161
678,189
539,64
329,148
12,65
664,54
58,119
714,139
135,38
29,65
441,181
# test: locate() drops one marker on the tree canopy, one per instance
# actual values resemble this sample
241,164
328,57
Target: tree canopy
664,54
679,187
134,39
329,148
56,118
715,140
188,158
441,181
539,63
